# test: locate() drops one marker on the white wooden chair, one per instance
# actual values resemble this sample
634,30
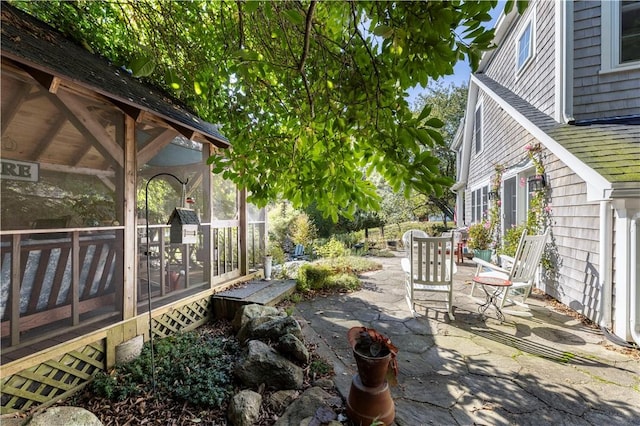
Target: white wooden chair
406,238
523,267
429,268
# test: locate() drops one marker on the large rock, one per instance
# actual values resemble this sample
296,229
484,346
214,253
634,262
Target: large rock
246,331
248,312
262,364
292,346
273,330
244,408
314,402
68,416
280,400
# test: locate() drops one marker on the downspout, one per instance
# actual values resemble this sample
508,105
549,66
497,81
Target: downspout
564,62
605,250
634,282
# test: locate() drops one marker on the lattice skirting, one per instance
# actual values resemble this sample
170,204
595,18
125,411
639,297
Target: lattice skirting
53,379
183,318
59,378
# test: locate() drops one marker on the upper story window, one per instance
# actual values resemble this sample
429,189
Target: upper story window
525,45
629,31
477,129
620,30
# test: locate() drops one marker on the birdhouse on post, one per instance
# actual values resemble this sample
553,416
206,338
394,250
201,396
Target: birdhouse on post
184,226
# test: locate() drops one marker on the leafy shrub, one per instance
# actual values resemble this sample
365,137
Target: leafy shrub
333,248
312,276
511,240
344,281
350,264
189,367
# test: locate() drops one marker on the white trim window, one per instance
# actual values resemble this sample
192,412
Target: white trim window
620,30
524,47
515,197
479,204
477,129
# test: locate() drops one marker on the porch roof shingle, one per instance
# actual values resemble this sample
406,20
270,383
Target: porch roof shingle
612,150
34,44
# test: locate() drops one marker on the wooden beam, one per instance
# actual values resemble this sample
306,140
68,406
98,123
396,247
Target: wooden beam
50,82
154,146
15,290
131,111
86,122
107,182
128,294
75,278
11,109
77,170
48,138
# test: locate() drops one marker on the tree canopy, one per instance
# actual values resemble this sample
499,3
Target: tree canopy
310,94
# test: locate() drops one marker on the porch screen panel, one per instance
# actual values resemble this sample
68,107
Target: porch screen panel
172,174
62,210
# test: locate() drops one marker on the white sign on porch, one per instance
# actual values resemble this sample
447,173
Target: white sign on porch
20,170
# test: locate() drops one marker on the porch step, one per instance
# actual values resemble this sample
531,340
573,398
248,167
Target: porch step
268,293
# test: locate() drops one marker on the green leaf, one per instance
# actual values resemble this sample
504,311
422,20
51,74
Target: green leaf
172,79
294,16
251,6
383,31
142,65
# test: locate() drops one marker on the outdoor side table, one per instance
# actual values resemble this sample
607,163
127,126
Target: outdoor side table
499,285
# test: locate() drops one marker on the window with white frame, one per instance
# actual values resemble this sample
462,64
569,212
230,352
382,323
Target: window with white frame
479,204
525,45
477,129
620,35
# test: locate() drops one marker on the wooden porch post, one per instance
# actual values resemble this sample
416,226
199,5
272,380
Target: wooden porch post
129,294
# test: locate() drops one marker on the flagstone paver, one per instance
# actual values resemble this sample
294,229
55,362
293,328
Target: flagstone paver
544,370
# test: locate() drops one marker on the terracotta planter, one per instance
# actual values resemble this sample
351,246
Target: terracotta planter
369,397
372,370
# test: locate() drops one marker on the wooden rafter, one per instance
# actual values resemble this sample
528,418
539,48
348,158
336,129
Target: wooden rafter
14,106
48,138
154,146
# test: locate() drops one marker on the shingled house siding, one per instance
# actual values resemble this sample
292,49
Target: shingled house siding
535,83
575,231
598,95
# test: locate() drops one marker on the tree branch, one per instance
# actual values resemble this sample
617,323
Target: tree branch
305,54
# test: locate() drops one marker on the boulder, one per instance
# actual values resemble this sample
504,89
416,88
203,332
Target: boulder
314,402
280,400
68,416
292,346
249,312
244,408
246,330
276,328
262,364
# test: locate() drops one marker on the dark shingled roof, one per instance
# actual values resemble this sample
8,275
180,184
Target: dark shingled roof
612,150
184,216
33,43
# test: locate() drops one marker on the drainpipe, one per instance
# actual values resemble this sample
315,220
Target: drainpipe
634,282
605,250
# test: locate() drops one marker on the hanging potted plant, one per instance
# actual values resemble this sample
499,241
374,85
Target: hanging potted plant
369,397
480,240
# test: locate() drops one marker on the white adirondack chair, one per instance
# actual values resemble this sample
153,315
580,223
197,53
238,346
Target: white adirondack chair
429,269
522,271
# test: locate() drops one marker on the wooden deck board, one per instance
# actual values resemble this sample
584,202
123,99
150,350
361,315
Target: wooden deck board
276,291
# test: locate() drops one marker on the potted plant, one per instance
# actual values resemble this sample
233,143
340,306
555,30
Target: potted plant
369,397
480,239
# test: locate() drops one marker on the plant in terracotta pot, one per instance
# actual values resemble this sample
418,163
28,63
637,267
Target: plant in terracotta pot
369,398
367,343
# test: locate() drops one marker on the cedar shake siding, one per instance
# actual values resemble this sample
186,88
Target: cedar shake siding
598,95
535,82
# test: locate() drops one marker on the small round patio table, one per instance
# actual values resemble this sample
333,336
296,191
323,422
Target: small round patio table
499,285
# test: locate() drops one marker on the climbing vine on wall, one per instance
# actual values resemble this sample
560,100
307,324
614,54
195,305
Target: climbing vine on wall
494,211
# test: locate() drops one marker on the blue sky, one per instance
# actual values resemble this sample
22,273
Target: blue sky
462,70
